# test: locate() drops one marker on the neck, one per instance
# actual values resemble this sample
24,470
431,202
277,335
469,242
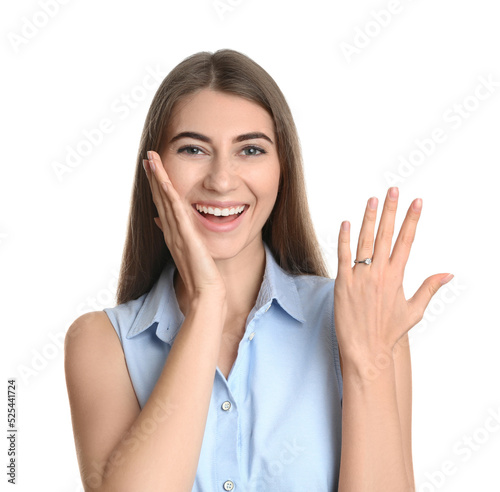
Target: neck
242,276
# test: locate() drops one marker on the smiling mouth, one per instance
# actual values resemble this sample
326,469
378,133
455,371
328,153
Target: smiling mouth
220,215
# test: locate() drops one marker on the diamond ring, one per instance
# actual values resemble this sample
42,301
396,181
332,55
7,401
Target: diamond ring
366,261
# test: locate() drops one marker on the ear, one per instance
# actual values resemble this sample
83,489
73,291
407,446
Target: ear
158,222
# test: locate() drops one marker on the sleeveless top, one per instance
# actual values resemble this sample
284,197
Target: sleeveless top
275,423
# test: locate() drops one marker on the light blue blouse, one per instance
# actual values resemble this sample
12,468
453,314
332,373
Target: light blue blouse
275,423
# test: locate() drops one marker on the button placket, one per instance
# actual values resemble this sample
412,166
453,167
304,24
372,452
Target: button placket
226,453
255,319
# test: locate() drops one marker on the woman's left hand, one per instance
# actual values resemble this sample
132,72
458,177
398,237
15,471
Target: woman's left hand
371,311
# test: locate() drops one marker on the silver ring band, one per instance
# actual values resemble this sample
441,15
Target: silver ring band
366,261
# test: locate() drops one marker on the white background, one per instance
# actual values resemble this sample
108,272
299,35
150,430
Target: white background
357,114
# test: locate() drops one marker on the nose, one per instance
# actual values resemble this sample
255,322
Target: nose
222,176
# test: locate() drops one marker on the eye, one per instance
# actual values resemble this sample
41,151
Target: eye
189,147
255,150
193,150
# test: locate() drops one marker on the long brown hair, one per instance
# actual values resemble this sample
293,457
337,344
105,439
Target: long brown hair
288,232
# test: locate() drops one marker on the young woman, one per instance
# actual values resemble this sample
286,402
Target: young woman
224,365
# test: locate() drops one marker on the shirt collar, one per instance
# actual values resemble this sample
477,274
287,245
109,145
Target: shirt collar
161,308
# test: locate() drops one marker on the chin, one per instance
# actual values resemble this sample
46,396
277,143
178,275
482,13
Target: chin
224,250
227,248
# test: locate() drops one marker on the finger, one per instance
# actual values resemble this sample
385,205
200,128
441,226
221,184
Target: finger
406,236
158,167
344,251
150,177
365,241
147,169
418,303
166,218
162,202
383,241
151,180
174,207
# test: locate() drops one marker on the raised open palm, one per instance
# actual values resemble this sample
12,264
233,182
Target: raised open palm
371,310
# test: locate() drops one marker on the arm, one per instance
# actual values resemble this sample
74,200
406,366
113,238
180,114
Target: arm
372,318
119,446
372,458
122,448
402,366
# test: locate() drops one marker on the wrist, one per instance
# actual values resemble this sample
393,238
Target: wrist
215,301
363,367
359,354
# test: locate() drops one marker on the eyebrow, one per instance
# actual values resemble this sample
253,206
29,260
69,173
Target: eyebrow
203,138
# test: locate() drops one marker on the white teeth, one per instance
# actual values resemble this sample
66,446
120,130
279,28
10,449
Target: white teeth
220,211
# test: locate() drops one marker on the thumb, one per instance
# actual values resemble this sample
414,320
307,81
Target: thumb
418,303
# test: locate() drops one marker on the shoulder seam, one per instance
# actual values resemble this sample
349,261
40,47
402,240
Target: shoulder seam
112,319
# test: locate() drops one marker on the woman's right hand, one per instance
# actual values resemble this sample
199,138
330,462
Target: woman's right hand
196,266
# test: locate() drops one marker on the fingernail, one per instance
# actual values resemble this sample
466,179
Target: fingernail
145,164
345,225
417,205
446,279
150,155
372,202
393,193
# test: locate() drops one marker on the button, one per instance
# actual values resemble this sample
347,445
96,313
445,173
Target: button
228,485
226,406
250,337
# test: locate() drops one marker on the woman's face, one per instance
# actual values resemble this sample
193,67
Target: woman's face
220,153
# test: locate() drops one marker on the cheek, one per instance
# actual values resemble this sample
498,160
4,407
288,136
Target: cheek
274,180
269,189
180,180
